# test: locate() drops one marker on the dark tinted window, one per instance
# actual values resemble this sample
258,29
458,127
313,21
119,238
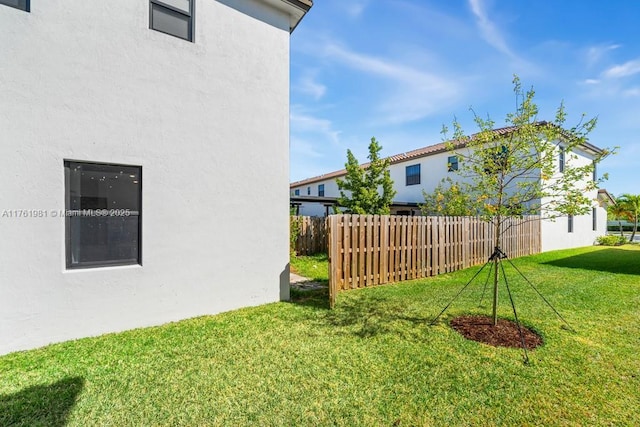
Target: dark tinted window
18,4
413,174
452,163
103,204
173,17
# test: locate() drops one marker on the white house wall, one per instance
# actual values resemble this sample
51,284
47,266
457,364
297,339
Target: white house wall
206,121
434,168
556,234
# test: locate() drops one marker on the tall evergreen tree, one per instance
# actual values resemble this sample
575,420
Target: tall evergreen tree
360,188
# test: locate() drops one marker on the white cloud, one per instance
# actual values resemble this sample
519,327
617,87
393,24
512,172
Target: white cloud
304,148
489,32
413,94
596,53
629,68
309,86
355,8
634,91
591,81
302,122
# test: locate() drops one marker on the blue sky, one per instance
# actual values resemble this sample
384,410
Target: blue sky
400,69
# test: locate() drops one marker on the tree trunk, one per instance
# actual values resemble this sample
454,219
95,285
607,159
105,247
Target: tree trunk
635,228
620,224
496,273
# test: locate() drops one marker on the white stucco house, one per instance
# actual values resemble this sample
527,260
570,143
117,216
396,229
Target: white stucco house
424,168
130,133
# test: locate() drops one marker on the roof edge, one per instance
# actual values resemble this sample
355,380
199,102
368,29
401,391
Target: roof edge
427,151
297,9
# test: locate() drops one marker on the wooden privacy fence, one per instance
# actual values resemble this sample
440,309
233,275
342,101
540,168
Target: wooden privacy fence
312,235
371,250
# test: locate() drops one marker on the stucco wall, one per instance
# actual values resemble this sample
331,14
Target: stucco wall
555,233
434,168
208,123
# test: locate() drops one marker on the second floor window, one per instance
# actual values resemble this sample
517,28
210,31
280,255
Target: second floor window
570,223
321,190
18,4
297,192
561,160
413,174
174,17
452,163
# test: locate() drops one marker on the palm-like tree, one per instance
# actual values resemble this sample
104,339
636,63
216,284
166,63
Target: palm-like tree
631,202
618,212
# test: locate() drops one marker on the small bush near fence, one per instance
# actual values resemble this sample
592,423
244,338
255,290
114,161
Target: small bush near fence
308,235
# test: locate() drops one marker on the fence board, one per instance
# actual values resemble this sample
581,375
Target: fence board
312,236
371,250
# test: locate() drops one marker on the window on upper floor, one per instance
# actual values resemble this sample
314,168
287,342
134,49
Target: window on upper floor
102,221
452,163
570,223
297,192
561,160
413,174
496,160
308,191
174,17
321,190
594,218
594,172
18,4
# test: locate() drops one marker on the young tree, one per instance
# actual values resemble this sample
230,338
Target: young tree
631,204
447,199
527,168
364,182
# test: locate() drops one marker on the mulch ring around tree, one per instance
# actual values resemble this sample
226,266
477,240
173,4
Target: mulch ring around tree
504,334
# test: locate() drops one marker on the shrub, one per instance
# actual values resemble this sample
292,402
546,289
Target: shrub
295,227
611,240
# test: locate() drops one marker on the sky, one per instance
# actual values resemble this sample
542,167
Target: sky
398,70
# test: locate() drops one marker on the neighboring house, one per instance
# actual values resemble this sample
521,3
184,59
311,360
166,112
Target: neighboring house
424,169
131,133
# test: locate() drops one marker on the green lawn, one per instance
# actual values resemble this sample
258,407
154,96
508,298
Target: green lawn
372,361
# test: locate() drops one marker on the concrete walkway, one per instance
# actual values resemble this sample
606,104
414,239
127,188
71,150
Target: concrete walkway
304,283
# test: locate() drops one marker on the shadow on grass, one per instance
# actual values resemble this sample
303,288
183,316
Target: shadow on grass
372,315
363,316
609,260
317,298
41,405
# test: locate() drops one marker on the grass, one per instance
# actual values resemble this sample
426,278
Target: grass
371,361
315,267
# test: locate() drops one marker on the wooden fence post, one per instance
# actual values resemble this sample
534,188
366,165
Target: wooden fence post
369,250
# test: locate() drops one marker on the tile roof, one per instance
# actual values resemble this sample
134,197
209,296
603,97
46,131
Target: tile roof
418,153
